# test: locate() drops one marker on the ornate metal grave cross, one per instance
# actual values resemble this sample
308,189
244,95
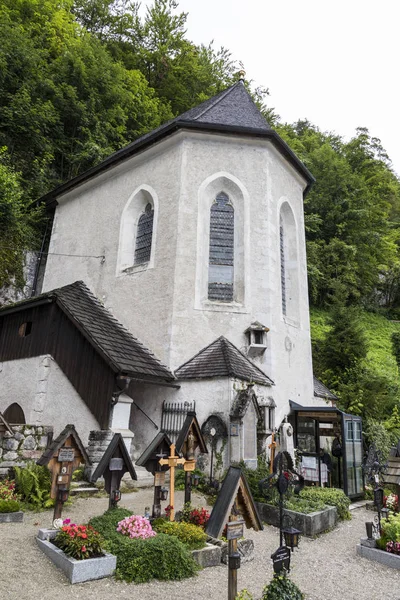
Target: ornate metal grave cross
172,461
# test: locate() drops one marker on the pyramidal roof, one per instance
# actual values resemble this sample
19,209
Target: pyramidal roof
232,111
222,359
232,107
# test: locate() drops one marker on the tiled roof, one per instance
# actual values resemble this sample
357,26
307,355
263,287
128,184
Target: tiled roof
222,359
232,111
123,352
321,391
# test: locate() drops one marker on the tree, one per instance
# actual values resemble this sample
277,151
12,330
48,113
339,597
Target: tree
17,225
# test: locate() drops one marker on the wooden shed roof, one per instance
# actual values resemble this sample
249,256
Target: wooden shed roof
117,346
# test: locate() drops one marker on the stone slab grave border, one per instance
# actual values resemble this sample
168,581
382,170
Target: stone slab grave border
12,517
209,556
77,571
384,558
309,524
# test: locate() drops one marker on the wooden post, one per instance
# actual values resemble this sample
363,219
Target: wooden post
272,447
232,573
172,461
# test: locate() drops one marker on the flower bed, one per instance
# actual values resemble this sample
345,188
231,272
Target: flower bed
9,505
387,550
309,524
161,557
78,551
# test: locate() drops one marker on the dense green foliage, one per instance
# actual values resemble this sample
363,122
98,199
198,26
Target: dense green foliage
191,535
390,532
330,497
282,588
33,484
161,557
352,351
7,506
80,79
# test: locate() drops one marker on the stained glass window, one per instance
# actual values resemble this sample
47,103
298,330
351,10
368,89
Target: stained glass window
144,236
220,271
283,274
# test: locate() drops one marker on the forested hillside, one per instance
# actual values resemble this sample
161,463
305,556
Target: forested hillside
79,79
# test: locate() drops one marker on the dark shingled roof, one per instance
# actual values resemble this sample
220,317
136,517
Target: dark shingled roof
231,111
321,391
123,352
222,359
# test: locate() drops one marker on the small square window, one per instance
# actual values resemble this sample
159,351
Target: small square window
25,329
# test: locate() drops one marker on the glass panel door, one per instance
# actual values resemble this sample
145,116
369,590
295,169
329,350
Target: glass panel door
353,455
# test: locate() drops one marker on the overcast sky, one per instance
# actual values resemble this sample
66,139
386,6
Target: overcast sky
334,63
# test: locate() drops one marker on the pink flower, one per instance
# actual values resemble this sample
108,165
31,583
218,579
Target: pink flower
66,521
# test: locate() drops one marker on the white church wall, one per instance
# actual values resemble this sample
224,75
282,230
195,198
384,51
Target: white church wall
45,395
166,306
88,222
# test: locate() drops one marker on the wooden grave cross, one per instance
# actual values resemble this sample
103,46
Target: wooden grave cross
172,461
272,447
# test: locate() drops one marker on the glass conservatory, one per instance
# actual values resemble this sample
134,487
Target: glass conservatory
329,443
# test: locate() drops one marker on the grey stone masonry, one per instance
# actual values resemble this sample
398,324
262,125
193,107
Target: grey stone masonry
210,556
99,441
13,517
309,524
78,571
27,442
380,556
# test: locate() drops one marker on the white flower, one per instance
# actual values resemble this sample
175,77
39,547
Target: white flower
57,523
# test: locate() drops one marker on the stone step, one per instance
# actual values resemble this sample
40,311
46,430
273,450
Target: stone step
83,490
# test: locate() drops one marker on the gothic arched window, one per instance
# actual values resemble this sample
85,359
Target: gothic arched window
221,254
144,236
283,266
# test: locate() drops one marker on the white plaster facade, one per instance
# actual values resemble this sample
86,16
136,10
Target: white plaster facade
45,395
166,305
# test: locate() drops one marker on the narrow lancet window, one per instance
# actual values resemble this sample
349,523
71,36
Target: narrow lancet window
144,236
283,274
221,256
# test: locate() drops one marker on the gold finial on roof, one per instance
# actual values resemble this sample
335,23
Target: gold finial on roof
242,74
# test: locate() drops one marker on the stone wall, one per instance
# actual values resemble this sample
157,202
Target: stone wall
28,442
99,441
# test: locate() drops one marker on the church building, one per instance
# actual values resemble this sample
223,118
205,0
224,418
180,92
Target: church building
176,280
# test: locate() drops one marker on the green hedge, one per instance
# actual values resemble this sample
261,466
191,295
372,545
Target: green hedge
331,497
191,535
7,506
162,557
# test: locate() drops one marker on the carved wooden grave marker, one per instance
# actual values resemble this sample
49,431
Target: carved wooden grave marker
113,466
189,440
65,454
158,448
234,499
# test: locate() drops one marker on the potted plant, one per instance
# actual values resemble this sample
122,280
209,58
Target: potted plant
9,504
78,551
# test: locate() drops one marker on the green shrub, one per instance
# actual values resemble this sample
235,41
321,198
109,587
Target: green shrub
191,535
305,505
390,531
331,497
254,476
33,484
7,506
162,557
281,588
107,524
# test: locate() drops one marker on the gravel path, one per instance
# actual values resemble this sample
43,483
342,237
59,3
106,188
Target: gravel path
326,568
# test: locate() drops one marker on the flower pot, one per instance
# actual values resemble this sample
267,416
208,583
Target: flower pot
78,571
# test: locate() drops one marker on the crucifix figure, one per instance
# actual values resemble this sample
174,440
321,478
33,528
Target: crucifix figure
172,461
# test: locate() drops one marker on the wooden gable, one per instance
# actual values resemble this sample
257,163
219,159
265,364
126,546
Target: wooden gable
393,471
234,498
191,425
116,449
150,458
